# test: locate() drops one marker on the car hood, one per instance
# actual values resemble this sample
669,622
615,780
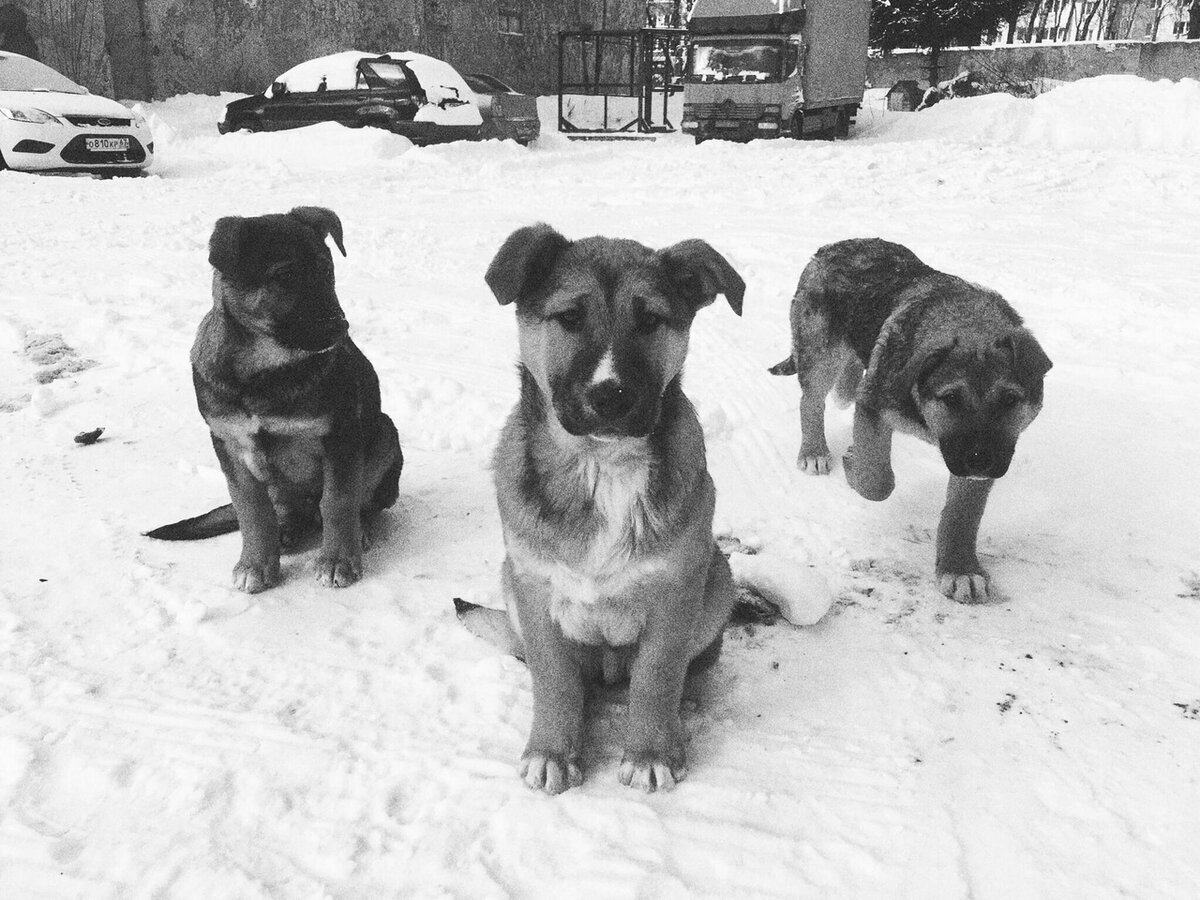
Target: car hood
57,103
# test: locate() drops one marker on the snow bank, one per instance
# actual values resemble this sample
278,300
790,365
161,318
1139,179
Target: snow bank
187,142
1109,112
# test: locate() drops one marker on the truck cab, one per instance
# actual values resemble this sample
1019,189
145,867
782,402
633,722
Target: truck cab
771,68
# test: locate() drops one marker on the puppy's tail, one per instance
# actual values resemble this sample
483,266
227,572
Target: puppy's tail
221,520
492,625
785,367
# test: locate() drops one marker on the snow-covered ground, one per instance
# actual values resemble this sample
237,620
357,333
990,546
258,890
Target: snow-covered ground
164,736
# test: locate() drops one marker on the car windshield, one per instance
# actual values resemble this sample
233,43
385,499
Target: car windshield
486,84
382,74
740,60
19,73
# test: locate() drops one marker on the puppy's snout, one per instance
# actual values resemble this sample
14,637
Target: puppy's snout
980,460
610,400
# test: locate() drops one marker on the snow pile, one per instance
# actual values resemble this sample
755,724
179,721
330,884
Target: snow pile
1109,112
187,142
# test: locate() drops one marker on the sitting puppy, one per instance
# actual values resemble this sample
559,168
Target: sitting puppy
611,570
944,359
292,403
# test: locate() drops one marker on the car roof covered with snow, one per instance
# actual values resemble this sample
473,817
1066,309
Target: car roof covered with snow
339,70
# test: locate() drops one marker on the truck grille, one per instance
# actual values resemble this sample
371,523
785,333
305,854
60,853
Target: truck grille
727,109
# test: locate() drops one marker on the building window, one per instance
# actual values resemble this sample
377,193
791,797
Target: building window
510,21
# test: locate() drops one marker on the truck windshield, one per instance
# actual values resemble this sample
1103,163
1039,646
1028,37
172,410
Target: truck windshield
749,60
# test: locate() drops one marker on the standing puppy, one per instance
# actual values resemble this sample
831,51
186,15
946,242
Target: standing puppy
944,359
292,403
605,499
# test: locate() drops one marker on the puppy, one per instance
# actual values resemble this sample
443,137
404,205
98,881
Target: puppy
292,403
611,570
944,359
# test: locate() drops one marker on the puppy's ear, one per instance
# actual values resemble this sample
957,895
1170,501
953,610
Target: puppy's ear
920,366
524,261
700,273
1029,361
227,247
323,221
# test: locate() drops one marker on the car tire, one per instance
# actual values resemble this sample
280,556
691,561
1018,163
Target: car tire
3,164
796,127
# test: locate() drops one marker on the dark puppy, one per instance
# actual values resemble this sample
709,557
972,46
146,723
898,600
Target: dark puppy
611,570
292,403
944,359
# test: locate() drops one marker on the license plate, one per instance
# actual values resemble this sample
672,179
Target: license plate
107,145
727,123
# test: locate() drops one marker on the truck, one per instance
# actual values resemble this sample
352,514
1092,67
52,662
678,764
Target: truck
774,68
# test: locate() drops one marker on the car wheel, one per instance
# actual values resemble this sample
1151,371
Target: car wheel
3,164
796,130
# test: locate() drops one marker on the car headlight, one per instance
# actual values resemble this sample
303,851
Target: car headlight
138,120
31,115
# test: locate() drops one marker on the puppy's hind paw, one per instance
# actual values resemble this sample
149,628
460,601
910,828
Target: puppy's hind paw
254,578
969,588
337,570
651,771
543,770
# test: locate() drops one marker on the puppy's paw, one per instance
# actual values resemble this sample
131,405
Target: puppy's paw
255,577
814,461
338,569
869,482
652,770
972,587
545,770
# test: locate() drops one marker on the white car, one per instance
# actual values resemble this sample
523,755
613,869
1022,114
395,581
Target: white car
48,123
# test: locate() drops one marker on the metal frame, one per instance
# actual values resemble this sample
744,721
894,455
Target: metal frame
638,75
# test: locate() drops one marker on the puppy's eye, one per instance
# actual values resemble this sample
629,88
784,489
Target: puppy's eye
286,274
571,320
648,322
951,399
1007,401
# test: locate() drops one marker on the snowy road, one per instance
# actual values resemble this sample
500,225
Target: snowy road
164,736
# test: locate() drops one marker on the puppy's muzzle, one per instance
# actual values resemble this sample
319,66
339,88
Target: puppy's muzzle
608,409
324,334
610,401
976,456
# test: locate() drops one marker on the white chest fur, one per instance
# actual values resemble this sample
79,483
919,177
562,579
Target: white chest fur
245,434
592,598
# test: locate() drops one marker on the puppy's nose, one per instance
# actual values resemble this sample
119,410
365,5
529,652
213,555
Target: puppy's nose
980,459
610,400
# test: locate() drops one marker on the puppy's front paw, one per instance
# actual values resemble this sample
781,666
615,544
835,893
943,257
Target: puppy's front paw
255,577
546,770
971,587
338,569
868,481
814,460
652,770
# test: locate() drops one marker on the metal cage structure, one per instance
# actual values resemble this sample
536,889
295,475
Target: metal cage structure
642,67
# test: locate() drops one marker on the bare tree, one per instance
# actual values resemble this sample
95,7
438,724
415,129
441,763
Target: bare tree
128,47
72,39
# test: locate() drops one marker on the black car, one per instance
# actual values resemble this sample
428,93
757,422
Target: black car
417,96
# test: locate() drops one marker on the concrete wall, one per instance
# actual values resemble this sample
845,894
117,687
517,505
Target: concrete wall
1061,62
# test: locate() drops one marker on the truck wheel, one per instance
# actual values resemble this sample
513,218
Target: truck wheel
797,126
842,128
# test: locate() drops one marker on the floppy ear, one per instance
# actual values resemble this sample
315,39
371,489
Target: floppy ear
524,261
226,247
700,273
323,221
920,365
1030,362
